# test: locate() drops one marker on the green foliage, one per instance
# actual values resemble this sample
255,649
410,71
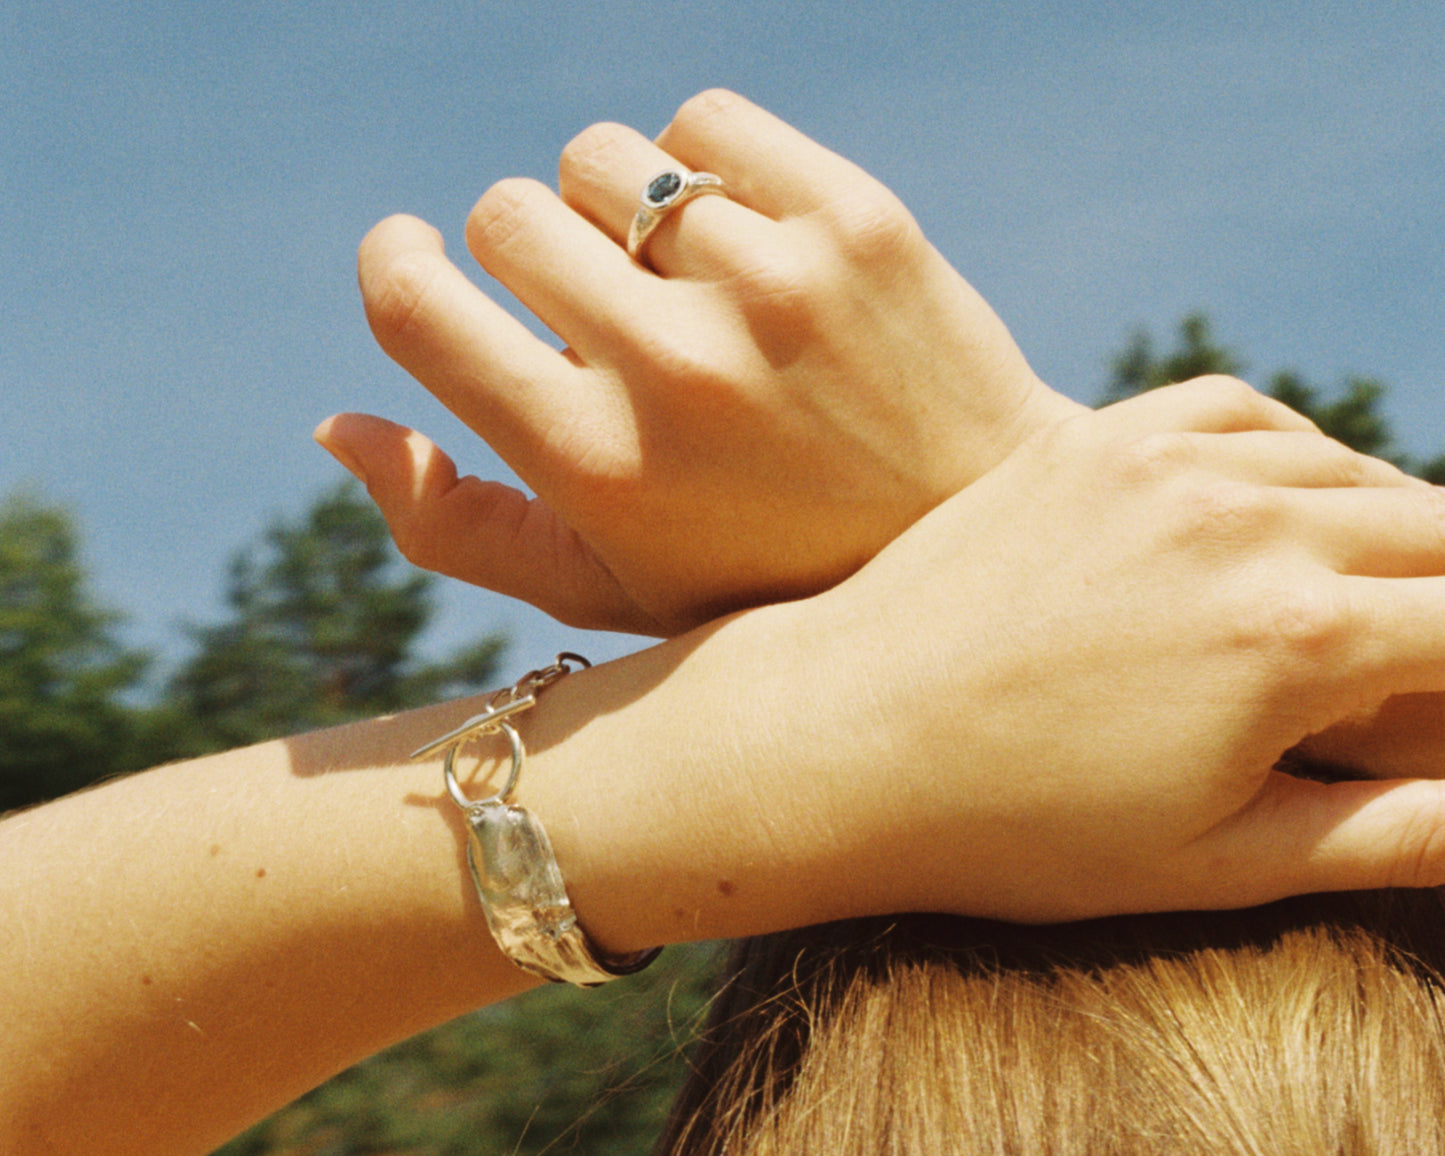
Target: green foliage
1354,417
558,1070
1138,367
322,627
62,673
324,622
1433,471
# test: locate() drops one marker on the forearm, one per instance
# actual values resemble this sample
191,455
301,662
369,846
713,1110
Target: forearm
197,945
953,728
190,948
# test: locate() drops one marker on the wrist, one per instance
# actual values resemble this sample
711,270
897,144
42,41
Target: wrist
685,795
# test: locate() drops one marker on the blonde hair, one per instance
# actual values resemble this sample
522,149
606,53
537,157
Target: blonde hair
1313,1026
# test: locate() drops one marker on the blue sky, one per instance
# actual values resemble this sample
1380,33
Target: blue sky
184,186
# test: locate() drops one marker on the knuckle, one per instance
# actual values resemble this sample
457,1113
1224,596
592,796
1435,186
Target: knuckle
1153,458
1426,518
1229,391
1419,857
1228,386
1303,623
1064,443
665,356
871,228
779,293
1434,516
414,544
710,105
775,272
586,155
1225,511
1349,469
1374,471
395,295
1251,406
503,214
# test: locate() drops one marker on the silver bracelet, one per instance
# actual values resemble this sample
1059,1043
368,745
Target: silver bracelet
513,865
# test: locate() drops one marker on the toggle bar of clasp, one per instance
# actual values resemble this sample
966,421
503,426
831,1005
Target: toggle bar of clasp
488,721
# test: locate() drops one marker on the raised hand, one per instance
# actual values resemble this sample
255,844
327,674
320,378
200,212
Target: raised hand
793,377
1062,693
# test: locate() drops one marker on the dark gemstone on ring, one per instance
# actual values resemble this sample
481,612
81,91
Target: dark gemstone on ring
662,189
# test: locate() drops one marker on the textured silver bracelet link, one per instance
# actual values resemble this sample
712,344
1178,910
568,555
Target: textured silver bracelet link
512,862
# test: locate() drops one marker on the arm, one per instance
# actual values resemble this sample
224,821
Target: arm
797,378
1060,695
803,378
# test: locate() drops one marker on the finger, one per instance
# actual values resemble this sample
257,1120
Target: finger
1287,458
479,361
602,175
1402,738
1212,404
1393,630
582,286
775,169
483,533
1379,532
1300,837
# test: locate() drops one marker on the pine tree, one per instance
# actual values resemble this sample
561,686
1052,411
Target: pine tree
1354,417
324,622
63,720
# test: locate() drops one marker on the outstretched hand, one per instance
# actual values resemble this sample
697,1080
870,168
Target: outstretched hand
794,377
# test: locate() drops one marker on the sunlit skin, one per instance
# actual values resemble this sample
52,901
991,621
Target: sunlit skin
793,377
1059,689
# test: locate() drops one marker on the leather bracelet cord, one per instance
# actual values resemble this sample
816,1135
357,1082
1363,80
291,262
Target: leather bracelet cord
512,862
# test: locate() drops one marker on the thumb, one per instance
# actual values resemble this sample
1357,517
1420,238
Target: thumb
484,533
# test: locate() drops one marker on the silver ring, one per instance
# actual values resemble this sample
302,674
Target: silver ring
662,194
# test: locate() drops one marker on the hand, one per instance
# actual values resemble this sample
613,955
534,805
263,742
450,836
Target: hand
1109,643
1060,694
797,378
